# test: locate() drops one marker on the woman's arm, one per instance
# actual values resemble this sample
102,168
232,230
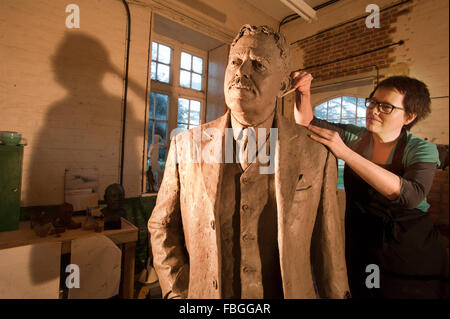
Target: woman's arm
385,182
303,112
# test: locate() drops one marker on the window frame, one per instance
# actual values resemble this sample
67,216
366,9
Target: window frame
157,62
189,112
191,71
173,89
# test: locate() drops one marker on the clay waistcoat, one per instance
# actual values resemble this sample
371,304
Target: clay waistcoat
248,227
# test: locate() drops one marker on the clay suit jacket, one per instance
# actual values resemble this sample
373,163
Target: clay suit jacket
185,238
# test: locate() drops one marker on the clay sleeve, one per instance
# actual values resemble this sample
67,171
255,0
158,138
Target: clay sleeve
328,246
170,258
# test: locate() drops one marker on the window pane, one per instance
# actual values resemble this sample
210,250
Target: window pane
153,71
195,112
361,122
197,65
183,110
164,54
196,81
348,106
163,73
151,111
161,129
361,108
185,79
154,51
334,108
162,154
321,111
185,61
162,105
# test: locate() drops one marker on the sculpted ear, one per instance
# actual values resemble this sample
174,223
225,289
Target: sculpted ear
284,86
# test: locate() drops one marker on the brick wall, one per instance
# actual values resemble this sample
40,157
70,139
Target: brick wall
345,50
422,25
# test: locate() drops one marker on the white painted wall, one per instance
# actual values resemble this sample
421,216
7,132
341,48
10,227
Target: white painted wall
63,88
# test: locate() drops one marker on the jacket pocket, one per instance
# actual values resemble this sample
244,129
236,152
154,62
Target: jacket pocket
302,183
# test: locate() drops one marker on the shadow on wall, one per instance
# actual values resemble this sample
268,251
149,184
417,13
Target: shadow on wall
82,130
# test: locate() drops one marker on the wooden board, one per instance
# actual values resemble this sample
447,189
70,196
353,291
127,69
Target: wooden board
26,236
30,271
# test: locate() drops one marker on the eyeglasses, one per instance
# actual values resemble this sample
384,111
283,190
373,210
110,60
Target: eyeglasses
382,107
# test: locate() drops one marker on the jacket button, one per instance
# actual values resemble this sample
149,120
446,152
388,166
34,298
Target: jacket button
213,225
244,207
247,237
248,269
245,180
215,284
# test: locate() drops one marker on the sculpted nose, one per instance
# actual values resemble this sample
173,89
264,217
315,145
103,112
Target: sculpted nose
244,69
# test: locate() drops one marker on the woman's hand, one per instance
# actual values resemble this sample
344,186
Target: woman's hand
386,183
301,80
332,140
303,113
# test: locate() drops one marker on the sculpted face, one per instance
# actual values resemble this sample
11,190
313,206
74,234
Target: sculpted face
254,76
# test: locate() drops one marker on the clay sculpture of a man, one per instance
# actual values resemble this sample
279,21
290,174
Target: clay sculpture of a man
114,198
247,207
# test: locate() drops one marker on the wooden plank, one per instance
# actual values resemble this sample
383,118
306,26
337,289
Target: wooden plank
30,271
127,287
26,236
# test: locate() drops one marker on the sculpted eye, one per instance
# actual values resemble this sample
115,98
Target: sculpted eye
235,62
258,66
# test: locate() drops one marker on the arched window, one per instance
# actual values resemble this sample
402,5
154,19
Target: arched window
345,110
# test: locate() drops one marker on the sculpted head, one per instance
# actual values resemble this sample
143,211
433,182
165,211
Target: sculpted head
257,71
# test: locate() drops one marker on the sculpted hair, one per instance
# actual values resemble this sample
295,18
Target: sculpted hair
111,187
416,98
280,41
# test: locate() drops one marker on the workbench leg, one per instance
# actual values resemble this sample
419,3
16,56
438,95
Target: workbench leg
129,253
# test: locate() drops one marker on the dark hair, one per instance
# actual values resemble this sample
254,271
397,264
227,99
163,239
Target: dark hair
416,98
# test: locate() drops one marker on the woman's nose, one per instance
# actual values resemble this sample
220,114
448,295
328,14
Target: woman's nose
373,110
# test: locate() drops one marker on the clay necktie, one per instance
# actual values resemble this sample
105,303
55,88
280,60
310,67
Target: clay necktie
242,148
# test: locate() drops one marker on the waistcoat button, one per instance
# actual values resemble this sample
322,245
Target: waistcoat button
244,207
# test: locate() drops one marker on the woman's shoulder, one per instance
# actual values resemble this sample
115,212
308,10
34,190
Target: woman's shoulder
419,150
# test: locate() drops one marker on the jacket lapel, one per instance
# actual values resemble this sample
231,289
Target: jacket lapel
287,164
212,172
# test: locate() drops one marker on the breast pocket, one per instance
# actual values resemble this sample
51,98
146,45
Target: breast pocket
303,184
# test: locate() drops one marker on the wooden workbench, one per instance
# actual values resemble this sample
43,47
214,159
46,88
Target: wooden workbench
127,236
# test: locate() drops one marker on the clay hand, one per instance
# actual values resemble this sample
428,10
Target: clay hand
301,80
331,139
